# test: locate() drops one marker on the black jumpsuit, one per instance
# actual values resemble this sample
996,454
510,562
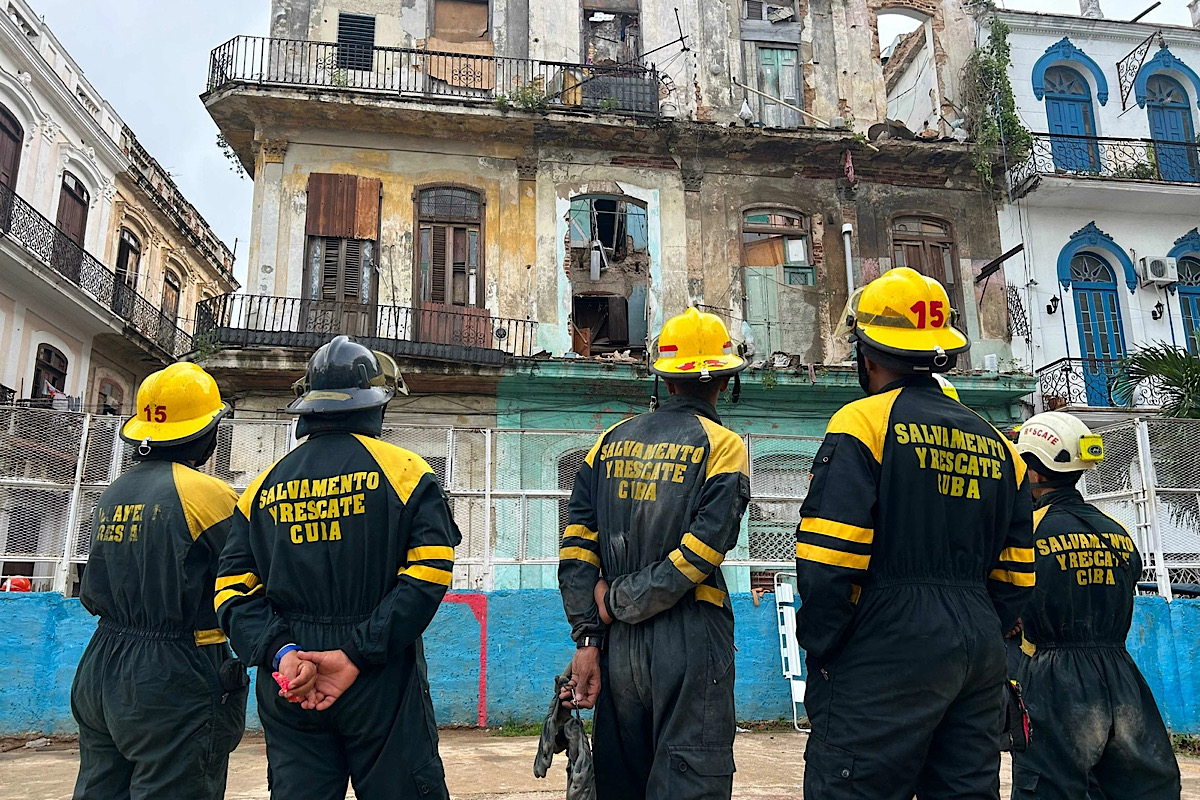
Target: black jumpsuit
913,556
153,718
656,505
346,543
1090,707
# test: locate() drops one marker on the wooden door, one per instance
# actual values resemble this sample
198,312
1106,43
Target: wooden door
73,199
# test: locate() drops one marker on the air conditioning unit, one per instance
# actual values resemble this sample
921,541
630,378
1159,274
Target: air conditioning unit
1158,270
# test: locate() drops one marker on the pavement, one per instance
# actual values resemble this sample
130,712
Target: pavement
479,766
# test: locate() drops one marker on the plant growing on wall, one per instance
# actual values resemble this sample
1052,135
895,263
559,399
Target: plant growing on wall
992,119
527,97
235,163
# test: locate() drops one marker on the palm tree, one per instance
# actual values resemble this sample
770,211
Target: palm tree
1173,374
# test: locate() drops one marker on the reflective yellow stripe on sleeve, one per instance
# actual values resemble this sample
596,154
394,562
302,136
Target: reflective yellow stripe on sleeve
686,567
710,594
838,530
210,636
834,558
1017,555
712,556
580,532
225,595
430,553
421,572
579,554
1015,578
247,579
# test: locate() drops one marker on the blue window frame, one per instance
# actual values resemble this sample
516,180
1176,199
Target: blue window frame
1098,317
1170,117
1069,114
1189,300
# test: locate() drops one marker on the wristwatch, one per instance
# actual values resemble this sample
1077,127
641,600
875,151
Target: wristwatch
589,641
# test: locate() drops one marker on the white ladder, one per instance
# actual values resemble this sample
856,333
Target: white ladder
789,648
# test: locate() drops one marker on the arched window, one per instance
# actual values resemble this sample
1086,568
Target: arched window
73,203
1069,113
450,252
172,289
129,256
12,136
110,397
1098,318
1170,116
1189,300
50,372
67,252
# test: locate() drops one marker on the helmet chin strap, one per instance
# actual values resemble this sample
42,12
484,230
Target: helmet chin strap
737,388
143,449
654,397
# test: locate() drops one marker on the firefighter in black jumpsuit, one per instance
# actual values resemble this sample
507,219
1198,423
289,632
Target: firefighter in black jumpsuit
913,558
1090,707
656,505
344,546
157,696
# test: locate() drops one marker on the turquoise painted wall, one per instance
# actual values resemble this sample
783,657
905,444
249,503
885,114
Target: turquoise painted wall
526,643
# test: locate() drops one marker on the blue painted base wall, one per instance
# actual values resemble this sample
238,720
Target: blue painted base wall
42,637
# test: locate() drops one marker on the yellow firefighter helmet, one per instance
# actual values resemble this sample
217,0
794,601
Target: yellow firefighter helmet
175,405
696,345
905,314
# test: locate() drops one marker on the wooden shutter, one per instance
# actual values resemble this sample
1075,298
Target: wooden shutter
343,206
11,137
754,9
72,210
437,266
331,258
352,271
618,320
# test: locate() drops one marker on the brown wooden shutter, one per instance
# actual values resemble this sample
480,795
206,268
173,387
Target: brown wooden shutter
437,266
331,257
352,269
343,206
618,320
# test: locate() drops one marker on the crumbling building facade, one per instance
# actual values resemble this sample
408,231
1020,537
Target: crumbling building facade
510,196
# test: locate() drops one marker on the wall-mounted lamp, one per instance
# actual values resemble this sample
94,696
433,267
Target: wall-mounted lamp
1052,306
1158,310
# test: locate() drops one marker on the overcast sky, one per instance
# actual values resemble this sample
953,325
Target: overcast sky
1171,12
149,59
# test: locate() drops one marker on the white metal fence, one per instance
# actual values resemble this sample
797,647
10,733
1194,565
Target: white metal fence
508,490
1150,481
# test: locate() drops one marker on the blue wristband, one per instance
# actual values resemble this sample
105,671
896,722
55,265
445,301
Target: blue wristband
283,651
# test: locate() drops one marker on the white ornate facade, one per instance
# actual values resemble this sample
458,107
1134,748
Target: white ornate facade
80,313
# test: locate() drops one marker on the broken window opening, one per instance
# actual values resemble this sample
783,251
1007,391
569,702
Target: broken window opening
619,227
461,20
601,324
611,37
906,57
774,11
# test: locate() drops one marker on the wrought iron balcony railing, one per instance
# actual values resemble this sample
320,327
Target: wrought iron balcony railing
23,224
1091,382
442,332
524,83
1097,157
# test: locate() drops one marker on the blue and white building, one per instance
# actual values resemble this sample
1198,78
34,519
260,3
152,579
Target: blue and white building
1107,204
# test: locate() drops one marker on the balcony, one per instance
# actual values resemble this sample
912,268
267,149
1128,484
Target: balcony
432,75
441,333
21,223
1098,157
1090,382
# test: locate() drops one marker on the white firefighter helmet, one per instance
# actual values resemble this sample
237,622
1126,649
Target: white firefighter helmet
947,387
1061,442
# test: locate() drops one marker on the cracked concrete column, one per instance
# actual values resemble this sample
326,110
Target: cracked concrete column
262,276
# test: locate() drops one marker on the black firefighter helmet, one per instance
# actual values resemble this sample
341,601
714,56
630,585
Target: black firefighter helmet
345,376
